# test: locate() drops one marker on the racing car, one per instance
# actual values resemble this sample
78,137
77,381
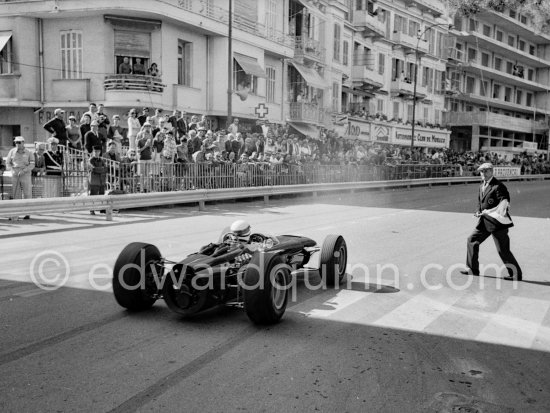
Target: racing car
243,269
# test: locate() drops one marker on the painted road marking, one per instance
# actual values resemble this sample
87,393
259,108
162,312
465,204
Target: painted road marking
516,322
421,310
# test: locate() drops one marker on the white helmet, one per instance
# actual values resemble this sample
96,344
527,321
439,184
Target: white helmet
241,229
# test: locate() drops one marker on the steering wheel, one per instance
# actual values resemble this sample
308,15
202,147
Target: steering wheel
259,238
229,238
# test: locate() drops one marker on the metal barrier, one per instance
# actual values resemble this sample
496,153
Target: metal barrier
201,196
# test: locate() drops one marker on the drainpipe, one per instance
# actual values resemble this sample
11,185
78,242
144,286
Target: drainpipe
41,59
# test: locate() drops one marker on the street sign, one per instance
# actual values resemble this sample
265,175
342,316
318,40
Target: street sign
261,110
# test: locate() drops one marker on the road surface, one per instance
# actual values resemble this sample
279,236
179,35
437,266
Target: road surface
405,332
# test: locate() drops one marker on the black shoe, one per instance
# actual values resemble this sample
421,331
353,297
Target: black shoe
468,272
103,211
92,212
27,217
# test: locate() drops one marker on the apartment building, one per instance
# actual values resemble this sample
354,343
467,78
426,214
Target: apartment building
499,70
398,65
66,54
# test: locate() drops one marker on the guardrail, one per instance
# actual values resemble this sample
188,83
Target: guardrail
139,200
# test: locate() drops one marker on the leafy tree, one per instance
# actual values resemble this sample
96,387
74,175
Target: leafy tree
537,10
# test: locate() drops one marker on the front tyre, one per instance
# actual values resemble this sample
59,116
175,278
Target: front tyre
266,287
134,276
334,259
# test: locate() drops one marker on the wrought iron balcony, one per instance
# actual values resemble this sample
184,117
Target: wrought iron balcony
134,82
307,48
307,112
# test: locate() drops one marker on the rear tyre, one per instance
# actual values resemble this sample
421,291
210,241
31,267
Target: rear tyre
266,295
334,259
133,276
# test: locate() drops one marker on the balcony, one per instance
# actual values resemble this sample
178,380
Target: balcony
306,112
474,66
410,44
306,48
405,90
362,74
490,43
494,120
372,27
151,84
427,6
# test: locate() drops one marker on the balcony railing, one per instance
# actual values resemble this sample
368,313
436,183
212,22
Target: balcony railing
134,82
495,120
307,112
372,26
306,47
410,43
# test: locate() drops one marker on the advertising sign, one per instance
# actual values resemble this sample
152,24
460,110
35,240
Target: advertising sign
353,129
422,137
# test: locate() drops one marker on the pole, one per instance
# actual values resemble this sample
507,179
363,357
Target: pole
414,97
230,65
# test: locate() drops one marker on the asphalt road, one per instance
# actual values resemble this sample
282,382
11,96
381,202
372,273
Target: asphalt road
405,332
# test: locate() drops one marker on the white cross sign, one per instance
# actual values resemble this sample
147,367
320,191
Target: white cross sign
261,110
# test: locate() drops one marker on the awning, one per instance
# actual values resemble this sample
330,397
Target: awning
250,65
311,76
4,39
305,129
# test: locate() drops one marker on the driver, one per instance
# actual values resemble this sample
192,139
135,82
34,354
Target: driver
241,230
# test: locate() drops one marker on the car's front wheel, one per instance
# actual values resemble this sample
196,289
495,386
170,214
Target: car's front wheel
134,275
266,288
334,259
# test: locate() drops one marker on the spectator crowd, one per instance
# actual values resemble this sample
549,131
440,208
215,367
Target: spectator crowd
143,142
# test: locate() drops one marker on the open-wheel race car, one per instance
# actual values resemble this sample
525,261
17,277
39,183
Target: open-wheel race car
243,269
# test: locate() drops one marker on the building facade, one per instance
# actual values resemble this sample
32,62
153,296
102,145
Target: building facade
366,69
499,70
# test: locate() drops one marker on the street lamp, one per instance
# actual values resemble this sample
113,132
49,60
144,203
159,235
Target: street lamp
416,69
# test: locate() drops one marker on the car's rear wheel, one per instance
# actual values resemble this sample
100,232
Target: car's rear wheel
334,259
266,288
134,283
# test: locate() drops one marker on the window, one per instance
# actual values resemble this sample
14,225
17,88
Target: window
496,91
71,54
528,99
470,83
409,112
379,105
336,45
132,51
499,36
242,80
530,74
271,14
184,62
531,50
399,24
396,110
472,25
511,41
414,28
335,96
485,59
521,45
498,63
507,94
472,55
345,52
381,63
519,97
509,67
6,58
483,88
270,83
486,30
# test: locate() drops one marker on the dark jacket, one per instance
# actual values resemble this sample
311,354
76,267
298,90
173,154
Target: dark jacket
489,199
57,128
